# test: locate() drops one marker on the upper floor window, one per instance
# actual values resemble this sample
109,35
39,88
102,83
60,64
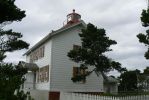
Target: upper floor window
37,54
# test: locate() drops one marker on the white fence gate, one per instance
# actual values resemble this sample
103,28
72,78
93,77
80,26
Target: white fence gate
75,96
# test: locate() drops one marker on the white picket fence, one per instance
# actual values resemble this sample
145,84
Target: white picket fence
75,96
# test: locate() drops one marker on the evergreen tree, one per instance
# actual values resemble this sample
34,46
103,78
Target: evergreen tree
144,38
146,71
11,76
9,40
128,84
11,79
91,53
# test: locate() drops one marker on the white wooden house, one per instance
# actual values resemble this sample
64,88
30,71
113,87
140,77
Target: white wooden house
51,69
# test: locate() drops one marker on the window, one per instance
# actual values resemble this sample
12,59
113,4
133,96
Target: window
76,47
37,76
43,51
40,52
37,54
77,71
43,74
31,58
46,76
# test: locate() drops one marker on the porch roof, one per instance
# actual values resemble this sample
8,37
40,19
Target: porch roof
31,66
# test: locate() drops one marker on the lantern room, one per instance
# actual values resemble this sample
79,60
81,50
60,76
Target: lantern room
73,17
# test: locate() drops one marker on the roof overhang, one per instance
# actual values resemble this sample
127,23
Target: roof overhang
30,66
50,35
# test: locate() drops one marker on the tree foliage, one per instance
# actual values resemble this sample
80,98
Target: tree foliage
134,80
146,71
9,40
11,76
145,18
129,81
144,38
92,51
10,12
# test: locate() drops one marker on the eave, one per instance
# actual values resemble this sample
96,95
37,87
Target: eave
50,35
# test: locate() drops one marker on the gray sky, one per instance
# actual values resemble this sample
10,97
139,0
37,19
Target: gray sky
120,19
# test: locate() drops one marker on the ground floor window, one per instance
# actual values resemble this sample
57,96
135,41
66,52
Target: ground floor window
77,72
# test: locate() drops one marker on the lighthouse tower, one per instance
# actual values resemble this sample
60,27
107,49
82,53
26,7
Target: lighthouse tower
73,18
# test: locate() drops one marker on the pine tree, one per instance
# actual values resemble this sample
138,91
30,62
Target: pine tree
9,40
91,53
144,38
128,84
11,79
11,76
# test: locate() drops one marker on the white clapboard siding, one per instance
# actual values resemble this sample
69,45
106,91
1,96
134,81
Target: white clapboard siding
46,60
62,67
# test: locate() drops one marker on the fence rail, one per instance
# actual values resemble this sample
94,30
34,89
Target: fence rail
75,96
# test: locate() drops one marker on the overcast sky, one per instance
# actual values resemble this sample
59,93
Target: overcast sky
120,19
